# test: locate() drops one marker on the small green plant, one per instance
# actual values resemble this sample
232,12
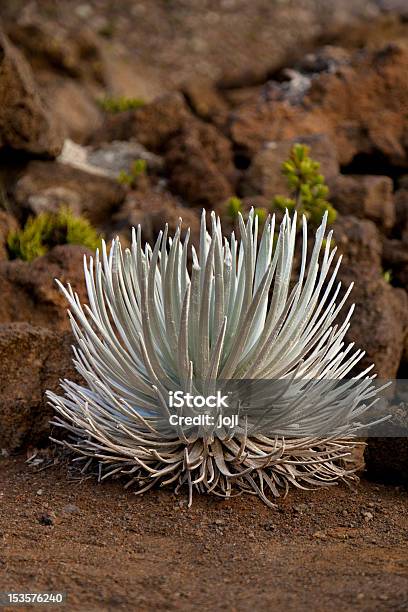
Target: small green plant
332,243
120,104
233,207
387,276
309,191
50,229
261,213
137,169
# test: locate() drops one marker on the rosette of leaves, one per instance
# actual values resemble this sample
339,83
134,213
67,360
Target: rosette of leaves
154,325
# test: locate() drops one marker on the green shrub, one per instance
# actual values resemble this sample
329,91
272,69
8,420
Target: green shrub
138,169
50,229
120,104
308,190
261,213
233,207
387,276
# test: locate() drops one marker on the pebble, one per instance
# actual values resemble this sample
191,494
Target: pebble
84,11
40,492
70,509
300,508
45,519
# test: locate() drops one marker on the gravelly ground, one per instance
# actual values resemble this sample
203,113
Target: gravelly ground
109,550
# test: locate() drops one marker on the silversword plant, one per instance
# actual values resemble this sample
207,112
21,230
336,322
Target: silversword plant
155,325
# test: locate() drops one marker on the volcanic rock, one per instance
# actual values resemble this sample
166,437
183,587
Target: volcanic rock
152,125
48,44
359,240
71,70
46,186
29,292
401,211
395,259
198,157
152,210
205,100
26,124
33,360
74,107
365,196
380,322
359,106
7,224
199,163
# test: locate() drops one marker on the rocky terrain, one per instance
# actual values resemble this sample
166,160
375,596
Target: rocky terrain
221,91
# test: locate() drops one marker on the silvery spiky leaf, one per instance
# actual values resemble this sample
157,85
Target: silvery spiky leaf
155,325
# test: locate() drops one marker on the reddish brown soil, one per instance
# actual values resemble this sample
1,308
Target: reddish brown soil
110,550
